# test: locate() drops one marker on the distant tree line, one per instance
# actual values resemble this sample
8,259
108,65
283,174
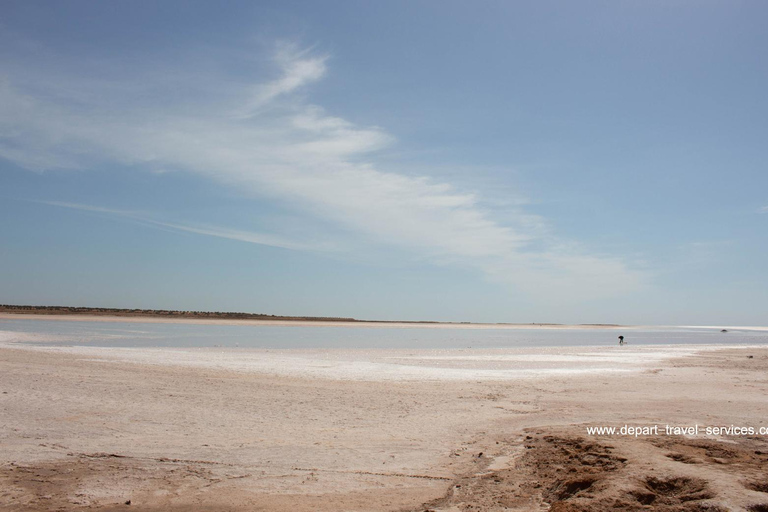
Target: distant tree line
70,310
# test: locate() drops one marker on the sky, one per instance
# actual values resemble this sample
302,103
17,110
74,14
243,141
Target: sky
493,161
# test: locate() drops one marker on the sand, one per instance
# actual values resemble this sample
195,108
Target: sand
232,430
297,323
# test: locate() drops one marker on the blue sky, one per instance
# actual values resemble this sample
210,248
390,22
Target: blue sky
467,161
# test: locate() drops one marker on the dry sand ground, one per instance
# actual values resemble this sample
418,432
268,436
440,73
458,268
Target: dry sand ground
82,431
309,323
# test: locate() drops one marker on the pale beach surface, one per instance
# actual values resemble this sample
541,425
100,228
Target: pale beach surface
309,323
340,429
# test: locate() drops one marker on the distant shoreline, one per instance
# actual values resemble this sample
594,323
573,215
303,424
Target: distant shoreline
206,317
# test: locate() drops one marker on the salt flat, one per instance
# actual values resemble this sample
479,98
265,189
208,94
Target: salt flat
391,364
338,429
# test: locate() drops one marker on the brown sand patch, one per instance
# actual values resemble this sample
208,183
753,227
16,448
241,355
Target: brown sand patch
759,486
113,483
563,470
105,482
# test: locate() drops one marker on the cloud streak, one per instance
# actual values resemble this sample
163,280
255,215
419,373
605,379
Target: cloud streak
206,230
298,69
281,147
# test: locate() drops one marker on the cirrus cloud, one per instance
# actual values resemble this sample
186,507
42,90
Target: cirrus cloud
280,146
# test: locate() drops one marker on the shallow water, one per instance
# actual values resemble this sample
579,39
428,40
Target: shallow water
134,334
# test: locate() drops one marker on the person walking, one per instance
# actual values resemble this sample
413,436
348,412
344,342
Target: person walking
621,340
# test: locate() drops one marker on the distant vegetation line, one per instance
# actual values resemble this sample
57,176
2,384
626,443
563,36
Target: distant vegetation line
223,315
70,310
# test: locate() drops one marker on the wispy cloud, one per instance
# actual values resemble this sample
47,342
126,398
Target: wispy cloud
205,229
299,68
764,209
318,164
